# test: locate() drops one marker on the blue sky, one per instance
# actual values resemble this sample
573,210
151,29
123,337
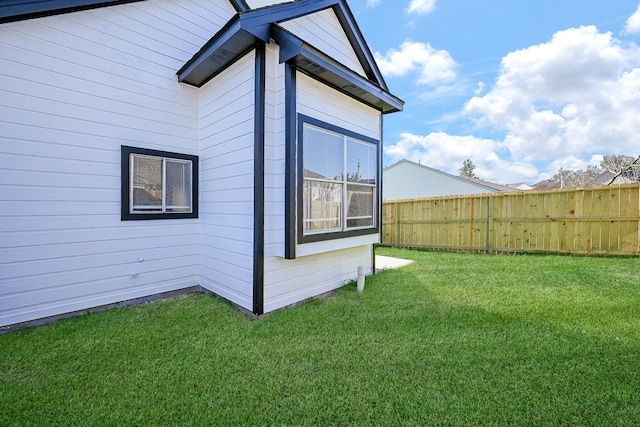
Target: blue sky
520,87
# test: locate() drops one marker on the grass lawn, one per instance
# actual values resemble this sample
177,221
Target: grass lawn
453,339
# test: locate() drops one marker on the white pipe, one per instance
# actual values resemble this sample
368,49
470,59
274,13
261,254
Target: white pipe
360,278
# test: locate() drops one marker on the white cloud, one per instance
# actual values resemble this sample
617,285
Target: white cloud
633,23
421,7
447,152
567,101
373,3
575,95
433,66
479,89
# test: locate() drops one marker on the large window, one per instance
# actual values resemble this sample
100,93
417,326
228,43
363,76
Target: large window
158,184
339,181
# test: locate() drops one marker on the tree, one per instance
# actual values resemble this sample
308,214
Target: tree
627,173
579,178
467,169
616,163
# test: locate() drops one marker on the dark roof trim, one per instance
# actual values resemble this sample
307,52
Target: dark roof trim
240,34
225,47
313,62
246,29
288,11
252,25
239,5
19,10
359,44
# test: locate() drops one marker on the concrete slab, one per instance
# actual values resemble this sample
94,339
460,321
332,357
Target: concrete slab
388,263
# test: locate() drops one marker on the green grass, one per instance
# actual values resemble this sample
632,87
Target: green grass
453,339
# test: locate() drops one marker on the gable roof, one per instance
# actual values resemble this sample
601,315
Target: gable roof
474,181
19,10
248,27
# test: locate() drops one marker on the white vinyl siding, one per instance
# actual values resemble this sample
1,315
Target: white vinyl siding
323,103
254,4
323,266
291,281
274,154
226,182
323,31
75,87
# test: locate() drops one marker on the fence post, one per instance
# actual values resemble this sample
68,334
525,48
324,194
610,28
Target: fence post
490,225
397,226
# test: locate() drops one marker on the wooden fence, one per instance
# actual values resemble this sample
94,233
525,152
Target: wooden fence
594,220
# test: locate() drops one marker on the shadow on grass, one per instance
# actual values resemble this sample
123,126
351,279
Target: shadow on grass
415,348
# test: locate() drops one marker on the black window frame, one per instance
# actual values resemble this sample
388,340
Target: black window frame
125,163
339,234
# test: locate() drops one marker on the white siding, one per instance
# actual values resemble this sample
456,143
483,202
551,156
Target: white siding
318,101
274,154
254,4
323,31
323,266
406,180
75,87
291,281
226,179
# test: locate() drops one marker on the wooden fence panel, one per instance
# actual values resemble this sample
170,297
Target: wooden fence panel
596,220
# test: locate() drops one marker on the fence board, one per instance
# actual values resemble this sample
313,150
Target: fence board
595,220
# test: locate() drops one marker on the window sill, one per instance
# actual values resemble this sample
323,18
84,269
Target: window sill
307,249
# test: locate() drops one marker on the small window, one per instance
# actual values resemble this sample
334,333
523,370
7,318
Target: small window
339,182
158,184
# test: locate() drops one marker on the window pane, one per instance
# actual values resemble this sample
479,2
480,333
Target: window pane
322,206
359,206
147,184
178,182
361,162
323,154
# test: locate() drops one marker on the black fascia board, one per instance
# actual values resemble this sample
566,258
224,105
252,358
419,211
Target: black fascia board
239,5
359,44
284,11
247,27
288,11
224,48
239,35
313,62
20,10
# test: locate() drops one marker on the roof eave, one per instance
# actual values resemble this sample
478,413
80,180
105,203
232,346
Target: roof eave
313,62
224,48
20,10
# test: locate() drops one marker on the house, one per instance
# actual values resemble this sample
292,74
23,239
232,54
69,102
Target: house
160,146
628,175
409,180
522,186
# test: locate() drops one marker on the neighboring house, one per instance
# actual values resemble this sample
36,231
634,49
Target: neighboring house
152,147
410,180
547,184
628,175
522,186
